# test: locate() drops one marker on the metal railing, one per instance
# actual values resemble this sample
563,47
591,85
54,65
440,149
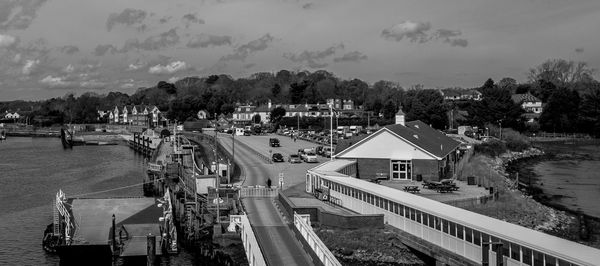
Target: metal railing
259,192
251,246
301,222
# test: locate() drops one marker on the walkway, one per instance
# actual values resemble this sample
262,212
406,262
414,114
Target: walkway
277,241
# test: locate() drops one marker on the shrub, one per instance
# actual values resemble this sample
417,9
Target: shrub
491,148
515,141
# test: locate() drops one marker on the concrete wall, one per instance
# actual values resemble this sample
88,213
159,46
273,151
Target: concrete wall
320,217
427,168
368,168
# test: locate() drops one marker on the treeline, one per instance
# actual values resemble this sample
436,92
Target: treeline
570,94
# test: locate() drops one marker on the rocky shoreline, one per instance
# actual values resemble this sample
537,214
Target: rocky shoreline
542,213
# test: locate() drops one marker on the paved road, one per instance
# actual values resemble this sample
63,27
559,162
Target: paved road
275,238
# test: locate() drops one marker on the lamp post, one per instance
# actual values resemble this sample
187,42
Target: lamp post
330,133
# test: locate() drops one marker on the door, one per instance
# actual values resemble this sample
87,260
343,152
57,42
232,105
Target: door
401,170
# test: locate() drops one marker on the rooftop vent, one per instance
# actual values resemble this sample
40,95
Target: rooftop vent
416,136
416,126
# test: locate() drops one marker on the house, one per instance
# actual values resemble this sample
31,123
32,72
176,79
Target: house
137,115
457,94
11,115
532,105
402,151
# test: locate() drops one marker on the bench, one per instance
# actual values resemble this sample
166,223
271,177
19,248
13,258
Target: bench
431,185
412,189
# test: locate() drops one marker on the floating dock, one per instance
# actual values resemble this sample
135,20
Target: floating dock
95,230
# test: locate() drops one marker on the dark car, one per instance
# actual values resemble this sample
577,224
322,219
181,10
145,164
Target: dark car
277,157
247,133
274,142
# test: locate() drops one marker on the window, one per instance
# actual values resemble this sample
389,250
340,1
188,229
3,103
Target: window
418,216
438,223
377,201
452,228
468,235
505,248
432,221
526,255
412,214
515,252
395,208
407,212
385,204
538,258
425,219
459,231
445,226
550,261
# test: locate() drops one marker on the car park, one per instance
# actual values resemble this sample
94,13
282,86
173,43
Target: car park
277,157
294,158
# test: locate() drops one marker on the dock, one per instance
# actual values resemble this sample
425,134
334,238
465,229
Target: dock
97,230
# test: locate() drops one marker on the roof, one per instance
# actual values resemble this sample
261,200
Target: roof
525,97
507,231
346,143
263,108
428,138
453,92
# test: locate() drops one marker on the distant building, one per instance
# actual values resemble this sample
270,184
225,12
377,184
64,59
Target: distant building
137,115
402,151
12,115
202,114
532,105
456,94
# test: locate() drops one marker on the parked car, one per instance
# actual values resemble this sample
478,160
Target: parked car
310,157
294,158
274,142
247,133
277,157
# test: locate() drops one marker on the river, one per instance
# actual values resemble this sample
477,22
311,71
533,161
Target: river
32,170
571,178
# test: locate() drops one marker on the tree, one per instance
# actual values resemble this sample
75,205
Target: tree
489,84
297,92
561,72
167,87
496,105
428,106
389,109
256,119
561,111
507,83
590,110
276,114
275,90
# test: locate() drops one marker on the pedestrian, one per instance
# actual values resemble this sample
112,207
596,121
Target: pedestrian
269,182
295,138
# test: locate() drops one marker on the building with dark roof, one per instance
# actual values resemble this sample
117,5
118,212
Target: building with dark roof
532,105
402,151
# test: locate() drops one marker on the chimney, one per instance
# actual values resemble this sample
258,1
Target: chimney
400,117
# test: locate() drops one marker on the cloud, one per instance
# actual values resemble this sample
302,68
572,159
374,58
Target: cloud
102,49
170,68
30,66
7,41
69,49
579,50
69,68
245,50
18,15
151,43
205,40
413,31
355,56
128,16
308,5
164,20
418,32
312,57
54,82
457,42
136,66
246,66
191,18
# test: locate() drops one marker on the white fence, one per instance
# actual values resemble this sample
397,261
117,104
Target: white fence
253,252
259,192
314,241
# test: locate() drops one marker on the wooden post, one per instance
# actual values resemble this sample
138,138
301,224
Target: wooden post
114,239
151,250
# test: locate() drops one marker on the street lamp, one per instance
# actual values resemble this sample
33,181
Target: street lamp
331,133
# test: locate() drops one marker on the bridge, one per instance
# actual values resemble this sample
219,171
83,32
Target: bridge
456,236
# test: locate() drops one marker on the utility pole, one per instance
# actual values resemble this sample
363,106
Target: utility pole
331,133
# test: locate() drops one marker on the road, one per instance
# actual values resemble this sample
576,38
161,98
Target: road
277,241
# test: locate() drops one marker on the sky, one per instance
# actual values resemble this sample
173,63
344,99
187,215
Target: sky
52,47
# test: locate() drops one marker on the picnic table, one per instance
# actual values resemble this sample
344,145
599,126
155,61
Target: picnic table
431,184
412,189
444,188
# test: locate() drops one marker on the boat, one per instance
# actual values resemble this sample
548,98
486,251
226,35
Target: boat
2,136
66,138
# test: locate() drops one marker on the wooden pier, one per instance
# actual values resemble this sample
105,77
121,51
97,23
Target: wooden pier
143,144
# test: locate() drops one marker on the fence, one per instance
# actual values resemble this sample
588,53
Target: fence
251,246
259,192
468,203
321,251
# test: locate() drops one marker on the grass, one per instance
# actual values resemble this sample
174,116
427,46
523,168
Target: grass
367,247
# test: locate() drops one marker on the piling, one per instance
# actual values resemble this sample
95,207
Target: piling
151,250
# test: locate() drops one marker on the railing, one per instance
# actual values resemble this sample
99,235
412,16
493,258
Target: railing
253,252
322,252
259,192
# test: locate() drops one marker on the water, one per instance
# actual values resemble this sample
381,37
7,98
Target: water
32,170
572,183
